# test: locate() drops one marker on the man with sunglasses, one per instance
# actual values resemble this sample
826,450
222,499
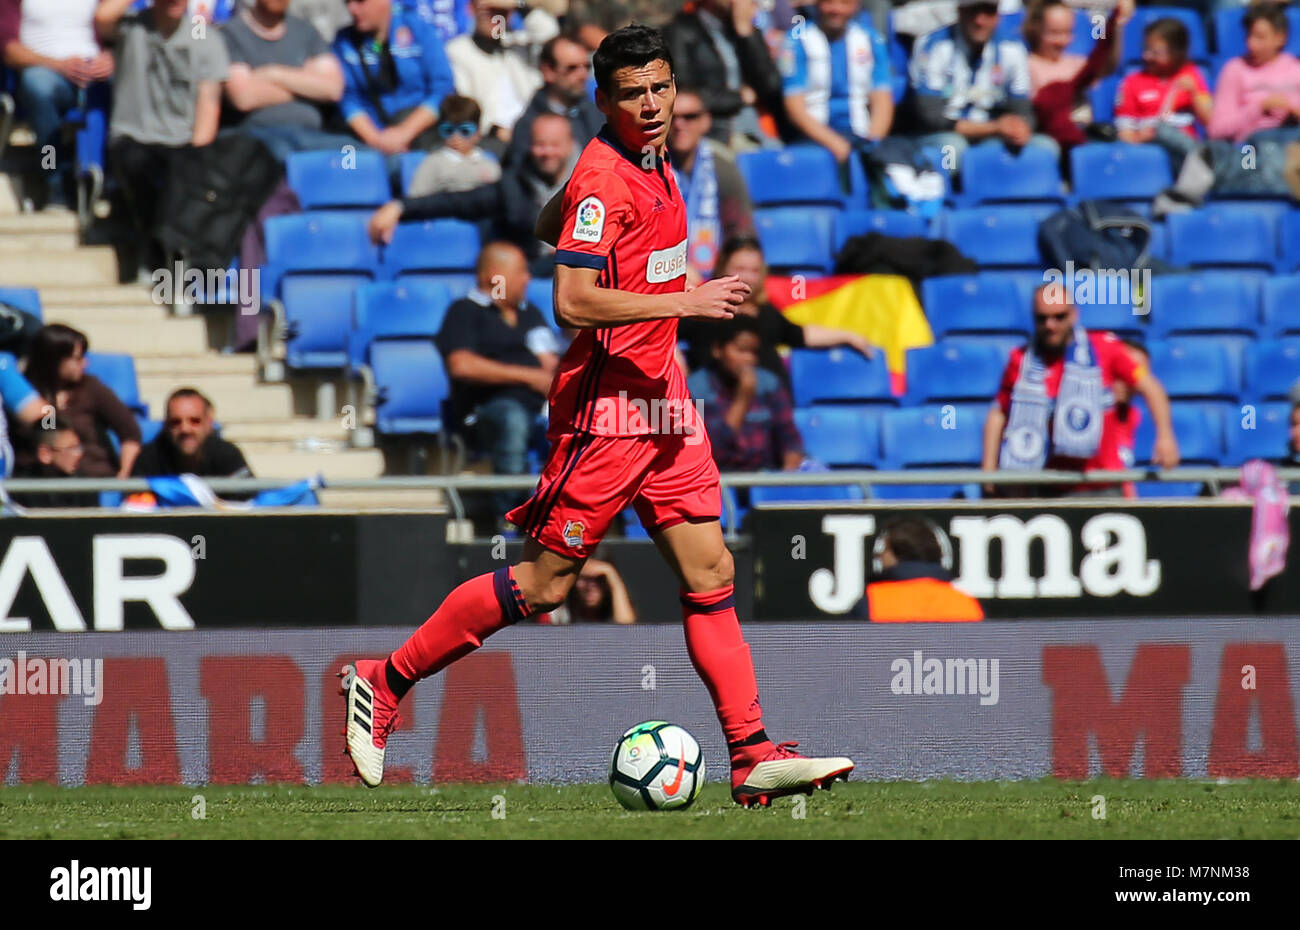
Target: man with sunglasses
394,75
459,164
1052,410
566,67
190,444
969,87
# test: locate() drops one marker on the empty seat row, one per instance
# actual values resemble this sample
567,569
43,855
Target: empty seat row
347,180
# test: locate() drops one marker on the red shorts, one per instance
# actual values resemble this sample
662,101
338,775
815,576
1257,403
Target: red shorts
589,479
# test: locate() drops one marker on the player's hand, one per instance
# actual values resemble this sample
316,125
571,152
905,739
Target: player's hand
384,221
1164,454
716,299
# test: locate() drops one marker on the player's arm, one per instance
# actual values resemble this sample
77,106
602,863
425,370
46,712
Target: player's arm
551,220
581,303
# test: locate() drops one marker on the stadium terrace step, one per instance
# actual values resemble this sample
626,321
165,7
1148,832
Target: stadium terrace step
353,463
236,398
116,295
90,265
287,432
145,317
26,224
167,338
43,242
371,500
207,363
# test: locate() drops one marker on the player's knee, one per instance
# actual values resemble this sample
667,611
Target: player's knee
546,595
719,572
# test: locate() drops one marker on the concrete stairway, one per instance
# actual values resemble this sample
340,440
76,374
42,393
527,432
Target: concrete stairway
78,286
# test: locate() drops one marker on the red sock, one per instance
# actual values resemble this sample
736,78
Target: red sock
470,614
721,657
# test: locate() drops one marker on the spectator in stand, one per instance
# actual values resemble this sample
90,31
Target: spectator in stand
743,257
1124,417
716,48
1259,93
52,46
189,444
565,66
910,582
1059,79
1164,101
459,165
500,76
394,76
598,596
166,94
1028,429
501,357
838,84
746,409
326,16
448,18
56,368
589,21
20,401
510,207
282,78
968,87
58,455
717,201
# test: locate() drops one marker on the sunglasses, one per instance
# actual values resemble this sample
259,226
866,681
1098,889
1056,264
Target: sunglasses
447,130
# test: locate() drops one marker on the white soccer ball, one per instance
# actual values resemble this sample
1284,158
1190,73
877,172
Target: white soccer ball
656,766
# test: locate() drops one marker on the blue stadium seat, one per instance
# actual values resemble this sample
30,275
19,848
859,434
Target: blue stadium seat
412,386
967,304
1102,99
1117,318
541,294
1197,47
839,437
1272,369
997,237
1119,171
1204,302
1289,234
432,246
1198,428
118,372
915,437
410,163
1230,33
1222,235
330,179
952,372
406,309
888,222
991,174
797,174
1263,432
1199,370
314,263
796,240
839,375
27,299
804,493
1281,305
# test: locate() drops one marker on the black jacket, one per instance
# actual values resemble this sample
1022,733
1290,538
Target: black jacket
697,64
217,459
584,119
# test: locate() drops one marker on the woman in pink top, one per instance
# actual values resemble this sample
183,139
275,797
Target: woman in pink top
1260,90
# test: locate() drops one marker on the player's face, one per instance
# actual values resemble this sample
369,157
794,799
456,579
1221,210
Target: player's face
189,423
834,15
1053,323
639,106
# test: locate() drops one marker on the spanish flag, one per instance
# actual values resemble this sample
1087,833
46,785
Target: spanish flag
882,308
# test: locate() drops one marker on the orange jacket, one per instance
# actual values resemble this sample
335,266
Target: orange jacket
920,599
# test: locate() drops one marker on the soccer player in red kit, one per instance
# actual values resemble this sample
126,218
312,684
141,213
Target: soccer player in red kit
623,432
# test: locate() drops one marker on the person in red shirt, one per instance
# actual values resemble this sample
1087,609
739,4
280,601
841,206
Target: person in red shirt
1124,417
1164,101
623,432
1025,428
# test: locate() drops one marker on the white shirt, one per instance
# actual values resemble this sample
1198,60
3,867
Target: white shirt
59,28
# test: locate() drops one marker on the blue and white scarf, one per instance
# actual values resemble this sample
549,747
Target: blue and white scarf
1080,405
860,55
703,226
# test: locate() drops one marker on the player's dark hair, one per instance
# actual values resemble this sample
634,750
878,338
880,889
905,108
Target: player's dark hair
456,108
1175,35
184,392
632,46
912,540
733,246
1272,13
52,343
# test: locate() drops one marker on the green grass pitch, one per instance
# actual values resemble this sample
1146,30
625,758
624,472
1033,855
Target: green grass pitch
1177,809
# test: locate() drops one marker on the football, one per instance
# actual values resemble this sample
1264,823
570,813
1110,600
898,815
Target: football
656,766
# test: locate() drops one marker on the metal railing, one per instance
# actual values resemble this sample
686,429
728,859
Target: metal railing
453,486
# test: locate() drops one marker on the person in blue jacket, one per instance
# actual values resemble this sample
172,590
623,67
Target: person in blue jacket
20,400
394,74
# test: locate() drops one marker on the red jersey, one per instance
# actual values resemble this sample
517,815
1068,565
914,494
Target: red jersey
1145,100
1110,355
628,222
